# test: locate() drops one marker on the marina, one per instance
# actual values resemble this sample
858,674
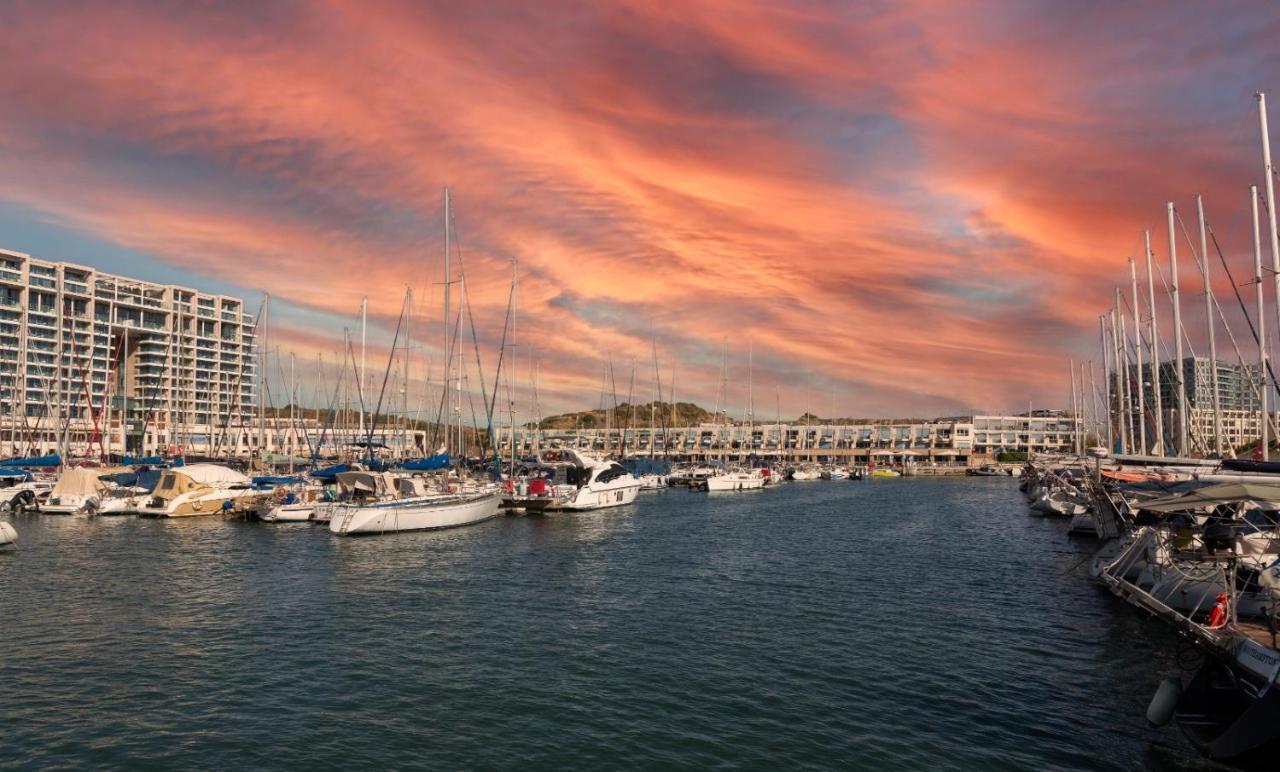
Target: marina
734,385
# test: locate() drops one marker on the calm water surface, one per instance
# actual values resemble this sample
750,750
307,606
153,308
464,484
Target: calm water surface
879,625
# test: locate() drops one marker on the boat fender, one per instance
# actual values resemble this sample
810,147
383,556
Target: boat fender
8,535
1219,616
1164,702
511,485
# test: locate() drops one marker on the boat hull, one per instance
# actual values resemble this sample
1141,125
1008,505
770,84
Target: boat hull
413,515
733,483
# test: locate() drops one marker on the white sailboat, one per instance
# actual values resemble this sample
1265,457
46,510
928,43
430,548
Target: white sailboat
379,502
384,503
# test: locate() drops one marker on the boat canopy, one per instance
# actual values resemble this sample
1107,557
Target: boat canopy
52,460
212,474
77,481
1249,465
20,474
273,481
152,461
429,463
376,483
639,466
1266,496
330,472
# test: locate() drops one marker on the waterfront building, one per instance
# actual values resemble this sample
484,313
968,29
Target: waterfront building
98,362
963,440
1239,419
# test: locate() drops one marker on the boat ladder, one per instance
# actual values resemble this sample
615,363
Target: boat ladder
347,515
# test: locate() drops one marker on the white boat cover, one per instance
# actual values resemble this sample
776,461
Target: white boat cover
78,481
212,474
1268,496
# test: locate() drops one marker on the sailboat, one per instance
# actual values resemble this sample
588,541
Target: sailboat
381,502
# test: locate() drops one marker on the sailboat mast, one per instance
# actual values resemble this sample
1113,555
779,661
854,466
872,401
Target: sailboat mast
262,381
448,353
364,323
1106,377
1262,322
1075,404
1177,336
1140,431
1155,347
1268,174
1208,315
1118,380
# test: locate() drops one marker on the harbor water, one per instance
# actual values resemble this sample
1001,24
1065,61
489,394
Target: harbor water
878,625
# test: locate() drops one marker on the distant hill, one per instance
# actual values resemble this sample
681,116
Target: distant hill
686,414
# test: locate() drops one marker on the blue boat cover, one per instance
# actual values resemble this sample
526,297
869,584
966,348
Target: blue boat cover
272,481
439,461
330,472
54,460
639,466
21,474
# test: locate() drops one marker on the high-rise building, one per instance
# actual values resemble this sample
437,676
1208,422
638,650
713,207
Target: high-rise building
93,362
1237,421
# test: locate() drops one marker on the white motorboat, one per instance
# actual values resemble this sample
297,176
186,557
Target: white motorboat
8,535
77,492
653,482
593,483
25,495
122,500
735,479
806,473
376,507
292,504
198,489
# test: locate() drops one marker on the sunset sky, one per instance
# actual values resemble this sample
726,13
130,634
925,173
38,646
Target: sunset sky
902,208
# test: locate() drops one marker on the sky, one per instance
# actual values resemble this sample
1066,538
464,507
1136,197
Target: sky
861,209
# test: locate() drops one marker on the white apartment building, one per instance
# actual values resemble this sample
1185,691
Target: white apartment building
93,362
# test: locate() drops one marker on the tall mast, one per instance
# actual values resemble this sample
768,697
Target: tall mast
1128,380
1262,320
1178,373
1106,377
1140,431
262,382
1093,398
1117,375
364,323
1268,172
751,396
1155,347
1208,316
448,353
1075,405
293,399
511,378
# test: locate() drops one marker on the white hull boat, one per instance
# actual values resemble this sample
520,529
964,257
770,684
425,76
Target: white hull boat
416,514
734,481
8,535
290,513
